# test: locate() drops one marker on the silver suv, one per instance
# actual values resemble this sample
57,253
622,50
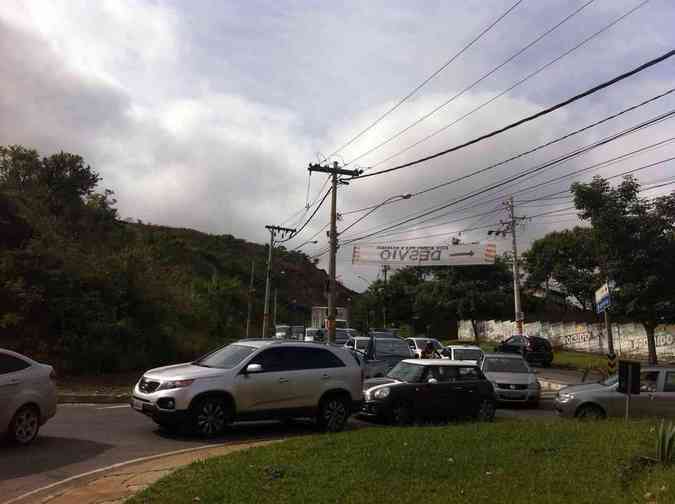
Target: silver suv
253,380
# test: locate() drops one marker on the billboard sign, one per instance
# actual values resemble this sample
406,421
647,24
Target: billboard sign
443,255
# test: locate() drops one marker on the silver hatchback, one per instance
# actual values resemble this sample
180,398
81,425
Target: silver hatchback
27,396
602,399
253,380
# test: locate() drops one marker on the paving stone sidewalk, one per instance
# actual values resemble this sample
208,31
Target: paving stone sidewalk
116,485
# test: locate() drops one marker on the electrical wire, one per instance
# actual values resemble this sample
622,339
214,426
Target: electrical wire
535,169
529,118
426,81
530,151
309,219
473,84
510,88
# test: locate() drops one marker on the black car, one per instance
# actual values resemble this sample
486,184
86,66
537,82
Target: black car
532,348
429,389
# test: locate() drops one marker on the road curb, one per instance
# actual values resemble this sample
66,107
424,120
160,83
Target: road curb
46,492
93,398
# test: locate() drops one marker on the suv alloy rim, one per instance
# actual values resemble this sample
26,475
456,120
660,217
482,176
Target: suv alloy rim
334,414
211,418
25,425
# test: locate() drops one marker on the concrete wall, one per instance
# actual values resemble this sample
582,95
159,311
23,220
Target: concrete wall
630,340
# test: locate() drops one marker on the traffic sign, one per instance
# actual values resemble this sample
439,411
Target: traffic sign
602,298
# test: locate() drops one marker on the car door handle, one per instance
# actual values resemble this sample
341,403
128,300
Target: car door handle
283,380
325,376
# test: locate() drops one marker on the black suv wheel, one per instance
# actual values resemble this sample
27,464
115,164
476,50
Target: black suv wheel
210,416
333,413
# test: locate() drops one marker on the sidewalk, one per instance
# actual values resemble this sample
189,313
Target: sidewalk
116,484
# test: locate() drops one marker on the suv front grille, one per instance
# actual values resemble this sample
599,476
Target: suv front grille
509,386
147,386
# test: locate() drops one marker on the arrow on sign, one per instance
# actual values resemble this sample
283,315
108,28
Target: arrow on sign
457,254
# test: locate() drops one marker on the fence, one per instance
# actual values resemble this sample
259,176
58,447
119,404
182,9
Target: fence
630,340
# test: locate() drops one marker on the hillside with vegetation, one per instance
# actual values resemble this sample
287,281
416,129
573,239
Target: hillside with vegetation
88,292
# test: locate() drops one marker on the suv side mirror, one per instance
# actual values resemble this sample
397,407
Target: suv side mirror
253,368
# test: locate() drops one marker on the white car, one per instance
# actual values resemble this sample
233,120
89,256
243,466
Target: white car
463,353
417,345
27,396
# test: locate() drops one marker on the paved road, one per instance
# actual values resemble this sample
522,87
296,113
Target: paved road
82,438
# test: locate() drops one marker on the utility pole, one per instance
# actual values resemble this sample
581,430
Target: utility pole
385,269
516,272
251,292
333,237
268,280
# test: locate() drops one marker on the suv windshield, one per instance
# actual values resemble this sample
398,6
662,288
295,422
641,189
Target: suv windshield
226,357
467,354
406,372
505,365
392,347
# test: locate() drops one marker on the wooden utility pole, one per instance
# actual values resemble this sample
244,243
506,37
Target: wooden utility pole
251,293
333,238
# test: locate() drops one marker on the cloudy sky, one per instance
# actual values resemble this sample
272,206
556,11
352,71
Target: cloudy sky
205,114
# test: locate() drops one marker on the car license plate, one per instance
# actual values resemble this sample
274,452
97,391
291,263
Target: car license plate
137,405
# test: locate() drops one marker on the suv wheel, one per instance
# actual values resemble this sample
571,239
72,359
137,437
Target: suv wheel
333,413
25,425
486,411
210,416
590,412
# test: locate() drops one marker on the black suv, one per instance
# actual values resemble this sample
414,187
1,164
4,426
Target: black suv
429,388
532,348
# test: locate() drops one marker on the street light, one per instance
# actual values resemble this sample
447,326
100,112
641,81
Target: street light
398,196
313,242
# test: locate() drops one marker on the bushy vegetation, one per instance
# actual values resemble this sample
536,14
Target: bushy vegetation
91,293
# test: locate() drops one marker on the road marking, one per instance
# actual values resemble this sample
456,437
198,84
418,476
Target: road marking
114,406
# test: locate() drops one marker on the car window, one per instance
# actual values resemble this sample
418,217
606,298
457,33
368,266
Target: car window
272,360
505,365
469,373
226,357
11,364
311,358
515,340
447,373
362,344
669,385
392,347
407,372
648,381
437,345
411,344
350,343
467,354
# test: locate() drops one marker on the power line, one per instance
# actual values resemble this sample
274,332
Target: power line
535,169
530,151
309,219
426,81
513,86
531,117
473,84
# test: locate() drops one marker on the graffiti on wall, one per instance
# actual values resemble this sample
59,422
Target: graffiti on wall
630,340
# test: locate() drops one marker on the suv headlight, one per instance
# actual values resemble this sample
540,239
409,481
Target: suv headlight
565,397
382,393
174,384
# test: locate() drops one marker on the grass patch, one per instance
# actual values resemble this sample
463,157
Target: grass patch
578,360
504,462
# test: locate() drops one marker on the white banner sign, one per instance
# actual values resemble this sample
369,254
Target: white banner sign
444,255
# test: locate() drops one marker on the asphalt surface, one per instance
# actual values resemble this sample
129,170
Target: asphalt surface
82,438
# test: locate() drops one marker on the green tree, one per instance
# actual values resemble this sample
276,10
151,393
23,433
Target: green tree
568,258
636,245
